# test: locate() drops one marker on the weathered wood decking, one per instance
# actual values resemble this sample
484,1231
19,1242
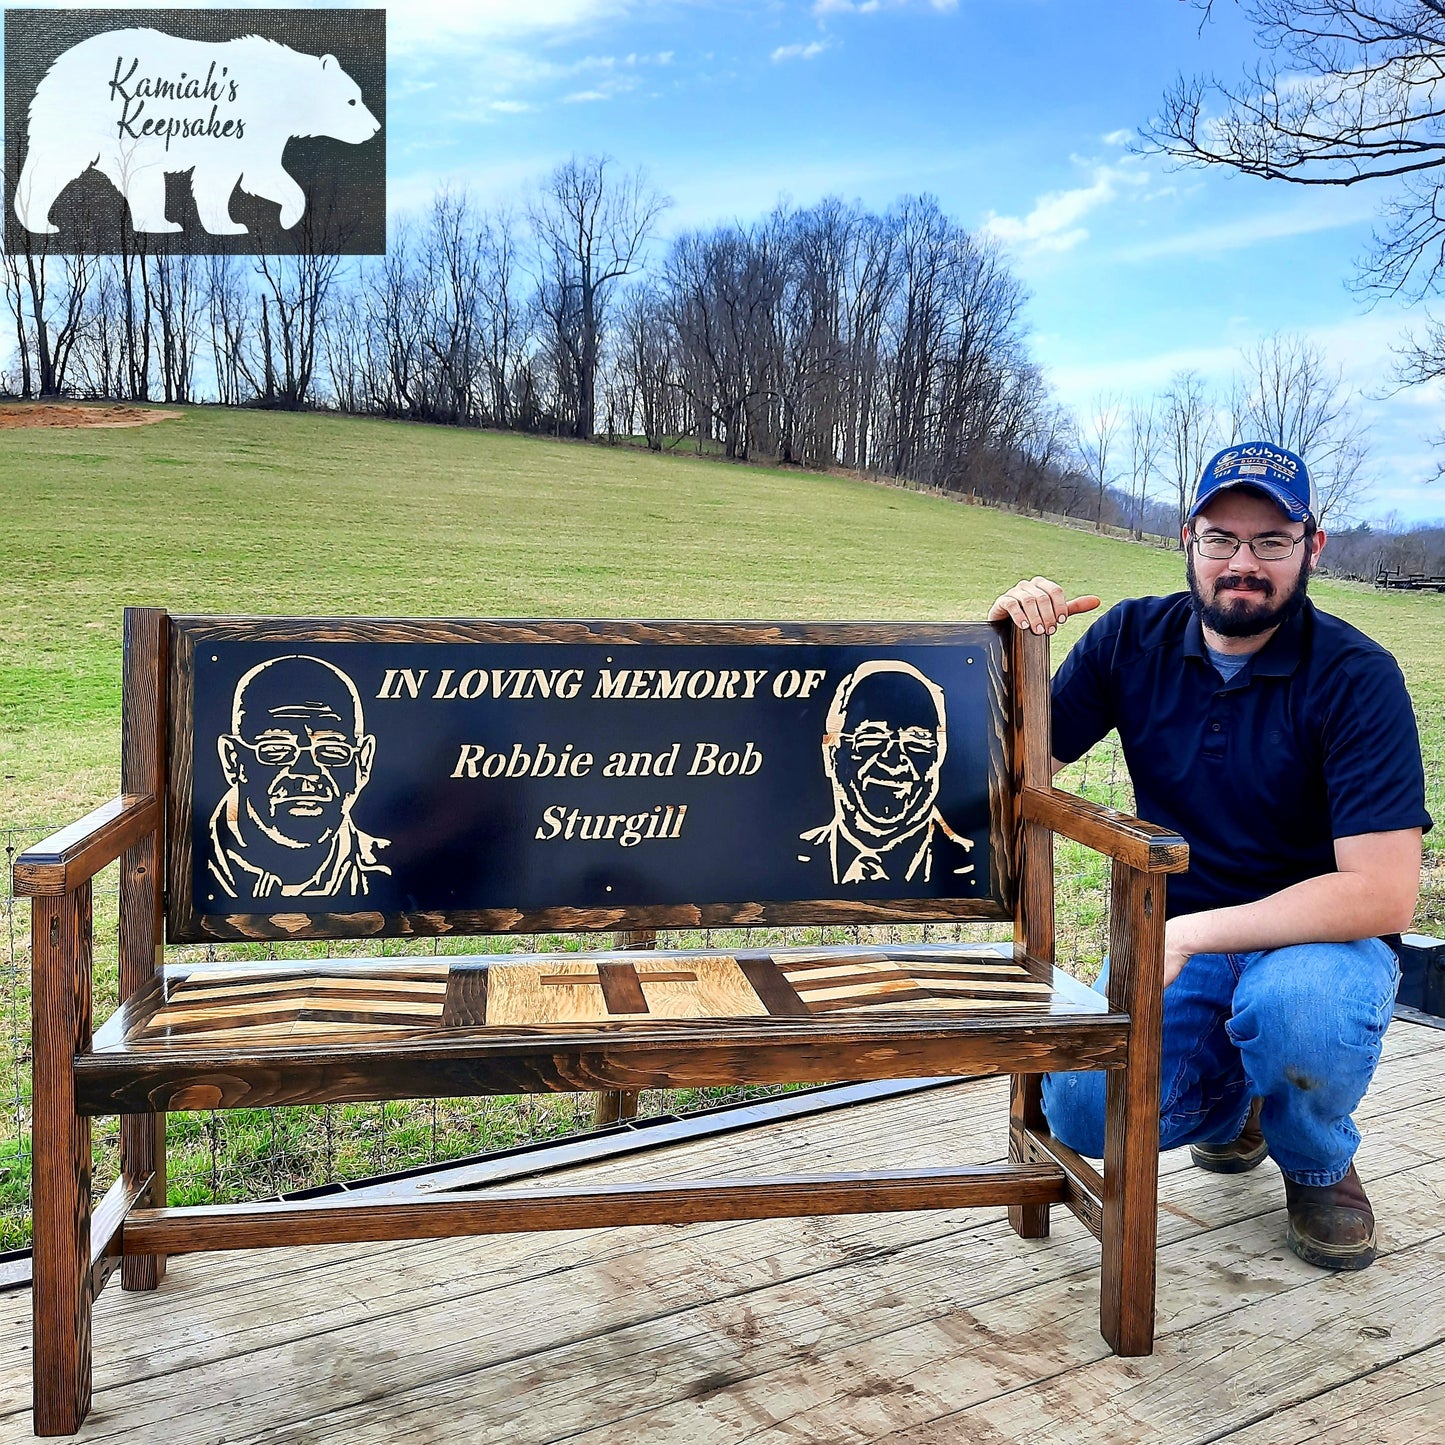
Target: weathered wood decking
923,1328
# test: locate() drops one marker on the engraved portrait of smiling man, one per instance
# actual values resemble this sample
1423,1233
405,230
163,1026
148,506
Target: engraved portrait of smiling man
884,742
294,761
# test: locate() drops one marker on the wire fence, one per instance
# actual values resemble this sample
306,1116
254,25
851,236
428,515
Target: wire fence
224,1156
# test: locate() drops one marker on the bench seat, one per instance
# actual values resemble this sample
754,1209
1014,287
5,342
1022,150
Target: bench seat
229,1035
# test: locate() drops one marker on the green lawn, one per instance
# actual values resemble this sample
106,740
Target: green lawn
314,515
255,512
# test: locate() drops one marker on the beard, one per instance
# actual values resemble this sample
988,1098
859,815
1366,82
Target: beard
1227,620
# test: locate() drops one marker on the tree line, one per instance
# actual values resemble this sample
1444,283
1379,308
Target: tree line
889,342
892,343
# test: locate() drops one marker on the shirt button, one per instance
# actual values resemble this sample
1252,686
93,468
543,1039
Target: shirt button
1215,728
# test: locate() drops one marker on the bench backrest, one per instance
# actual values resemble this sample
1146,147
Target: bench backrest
334,778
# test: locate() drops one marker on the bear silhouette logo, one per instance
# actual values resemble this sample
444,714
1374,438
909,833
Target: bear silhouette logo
139,105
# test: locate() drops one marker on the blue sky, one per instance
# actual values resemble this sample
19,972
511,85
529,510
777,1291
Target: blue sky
1017,114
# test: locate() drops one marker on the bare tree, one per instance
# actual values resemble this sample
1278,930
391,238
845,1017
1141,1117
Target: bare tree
872,275
1145,436
591,227
1097,443
925,236
721,289
506,321
227,317
1292,397
1188,420
645,362
1347,92
176,288
45,295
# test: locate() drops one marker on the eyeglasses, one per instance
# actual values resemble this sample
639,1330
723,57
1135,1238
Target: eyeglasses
1220,546
915,742
282,752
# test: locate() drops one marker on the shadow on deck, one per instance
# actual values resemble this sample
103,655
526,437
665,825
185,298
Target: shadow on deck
936,1327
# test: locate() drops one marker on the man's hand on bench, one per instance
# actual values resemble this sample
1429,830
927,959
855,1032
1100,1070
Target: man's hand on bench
1039,605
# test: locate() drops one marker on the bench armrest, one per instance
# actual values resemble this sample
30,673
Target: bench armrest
1141,845
68,858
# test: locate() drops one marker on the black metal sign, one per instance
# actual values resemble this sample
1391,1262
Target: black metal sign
421,777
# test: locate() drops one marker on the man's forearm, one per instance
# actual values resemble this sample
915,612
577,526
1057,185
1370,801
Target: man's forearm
1373,892
1333,908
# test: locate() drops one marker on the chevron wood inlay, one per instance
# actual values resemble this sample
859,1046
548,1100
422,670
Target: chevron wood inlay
232,1005
894,980
334,1002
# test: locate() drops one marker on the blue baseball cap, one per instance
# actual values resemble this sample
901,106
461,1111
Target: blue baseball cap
1279,474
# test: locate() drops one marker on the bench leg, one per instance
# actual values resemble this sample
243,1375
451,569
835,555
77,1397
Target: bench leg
142,1136
1131,1187
1026,1111
614,1105
142,1152
1131,1115
60,1156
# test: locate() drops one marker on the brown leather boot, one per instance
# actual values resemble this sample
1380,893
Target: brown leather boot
1239,1156
1331,1225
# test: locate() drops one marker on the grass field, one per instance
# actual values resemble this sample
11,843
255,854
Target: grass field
312,515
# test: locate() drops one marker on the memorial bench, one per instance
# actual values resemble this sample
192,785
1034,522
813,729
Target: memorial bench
290,780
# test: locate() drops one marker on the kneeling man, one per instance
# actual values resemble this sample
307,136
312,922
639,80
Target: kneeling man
1280,742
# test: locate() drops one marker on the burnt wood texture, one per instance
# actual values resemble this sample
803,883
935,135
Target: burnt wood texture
1131,1113
59,864
613,1022
60,1151
1034,902
143,770
443,1214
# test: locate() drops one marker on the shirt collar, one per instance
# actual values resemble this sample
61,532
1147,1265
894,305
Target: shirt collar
1279,657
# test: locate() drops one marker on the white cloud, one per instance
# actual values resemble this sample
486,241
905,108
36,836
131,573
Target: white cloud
1400,424
811,51
1360,346
500,184
1256,227
1054,223
721,193
1117,137
871,7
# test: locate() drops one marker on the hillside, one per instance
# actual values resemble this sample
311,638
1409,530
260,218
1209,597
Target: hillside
239,511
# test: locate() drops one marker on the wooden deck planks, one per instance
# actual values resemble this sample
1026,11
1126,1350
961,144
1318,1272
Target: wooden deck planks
887,1349
1402,1404
847,1329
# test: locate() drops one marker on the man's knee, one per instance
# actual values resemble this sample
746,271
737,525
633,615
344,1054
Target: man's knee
1312,1016
1074,1107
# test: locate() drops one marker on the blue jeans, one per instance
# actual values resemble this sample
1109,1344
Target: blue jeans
1299,1027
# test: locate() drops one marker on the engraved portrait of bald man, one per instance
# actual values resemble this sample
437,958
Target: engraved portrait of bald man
884,741
295,761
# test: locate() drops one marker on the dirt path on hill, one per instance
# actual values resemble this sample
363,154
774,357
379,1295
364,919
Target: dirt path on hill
16,414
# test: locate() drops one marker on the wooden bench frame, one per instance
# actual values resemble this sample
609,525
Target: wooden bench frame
77,1247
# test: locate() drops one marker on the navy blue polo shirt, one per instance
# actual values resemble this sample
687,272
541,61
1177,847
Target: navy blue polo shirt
1313,739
